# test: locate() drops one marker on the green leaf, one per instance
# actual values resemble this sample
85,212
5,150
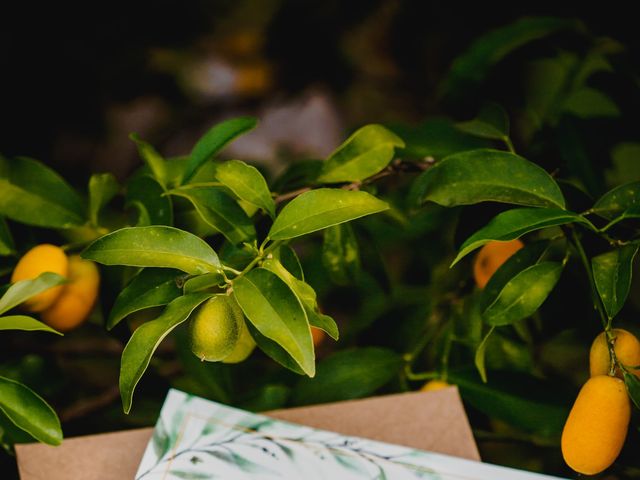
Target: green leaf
247,183
618,200
529,255
7,247
29,412
487,176
146,195
22,322
588,102
152,287
102,188
290,261
274,350
322,208
436,138
612,274
348,374
470,68
152,159
523,294
203,282
365,153
521,400
633,387
156,246
492,123
340,254
34,194
215,140
146,338
479,359
323,322
220,211
273,308
514,223
25,289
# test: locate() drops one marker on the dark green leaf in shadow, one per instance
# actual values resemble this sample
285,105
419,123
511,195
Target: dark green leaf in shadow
340,254
618,200
146,196
102,188
152,287
348,374
612,275
7,247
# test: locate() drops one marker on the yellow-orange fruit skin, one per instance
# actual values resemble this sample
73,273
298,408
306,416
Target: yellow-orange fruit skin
626,348
491,257
434,385
318,336
78,296
41,258
597,425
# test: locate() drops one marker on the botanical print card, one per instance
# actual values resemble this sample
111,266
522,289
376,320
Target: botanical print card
199,439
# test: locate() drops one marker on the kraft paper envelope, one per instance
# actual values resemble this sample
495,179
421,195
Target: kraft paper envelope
433,421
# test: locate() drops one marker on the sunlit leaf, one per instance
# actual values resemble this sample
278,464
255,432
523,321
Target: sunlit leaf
153,160
29,412
146,338
155,246
215,140
22,322
363,154
247,183
486,176
32,193
523,294
25,289
322,208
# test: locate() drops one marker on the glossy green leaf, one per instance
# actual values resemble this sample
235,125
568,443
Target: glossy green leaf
529,255
307,297
153,160
492,123
7,247
203,282
340,254
521,400
25,289
523,294
215,140
155,246
274,350
363,154
612,274
152,287
29,412
102,188
220,211
470,68
618,200
486,176
274,309
322,208
22,322
146,195
514,223
588,102
32,193
247,183
146,338
633,387
479,358
348,374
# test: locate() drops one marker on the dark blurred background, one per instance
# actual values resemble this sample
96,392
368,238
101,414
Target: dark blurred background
77,80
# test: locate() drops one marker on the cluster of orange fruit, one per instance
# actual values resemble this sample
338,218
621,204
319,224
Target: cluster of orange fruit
66,306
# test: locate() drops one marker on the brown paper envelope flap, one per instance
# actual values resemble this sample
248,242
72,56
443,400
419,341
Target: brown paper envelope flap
426,420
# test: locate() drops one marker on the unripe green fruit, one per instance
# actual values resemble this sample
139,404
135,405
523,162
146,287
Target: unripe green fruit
215,328
244,345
